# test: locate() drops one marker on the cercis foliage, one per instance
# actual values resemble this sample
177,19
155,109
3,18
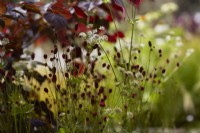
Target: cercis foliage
28,22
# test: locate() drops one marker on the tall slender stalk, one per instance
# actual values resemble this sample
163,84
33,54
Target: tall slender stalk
132,33
108,60
117,34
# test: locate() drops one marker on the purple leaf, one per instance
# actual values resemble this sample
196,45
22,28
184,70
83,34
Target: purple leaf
55,20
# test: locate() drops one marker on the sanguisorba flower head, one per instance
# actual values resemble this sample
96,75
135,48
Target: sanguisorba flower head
136,3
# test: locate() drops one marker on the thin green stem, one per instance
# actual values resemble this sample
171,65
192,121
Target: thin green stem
117,34
108,60
132,32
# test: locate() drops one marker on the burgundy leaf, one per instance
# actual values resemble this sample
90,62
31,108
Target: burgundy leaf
118,7
80,27
31,7
112,38
119,34
109,18
136,3
80,13
58,8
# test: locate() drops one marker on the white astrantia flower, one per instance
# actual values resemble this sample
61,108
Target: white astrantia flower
102,28
105,37
152,16
35,128
141,25
122,70
89,33
89,25
179,41
108,111
82,35
22,102
168,38
124,93
160,41
62,114
142,45
189,52
20,66
33,64
129,73
138,75
118,110
27,51
161,28
169,7
135,83
118,129
94,31
129,115
4,41
26,88
178,38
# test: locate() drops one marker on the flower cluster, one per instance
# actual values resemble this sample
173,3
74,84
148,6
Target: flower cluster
93,37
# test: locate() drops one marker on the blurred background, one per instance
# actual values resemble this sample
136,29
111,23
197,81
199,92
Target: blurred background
187,87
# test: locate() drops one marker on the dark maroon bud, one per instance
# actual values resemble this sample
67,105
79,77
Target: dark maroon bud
125,106
150,44
54,78
163,71
135,57
80,106
68,50
95,46
104,97
142,88
96,84
33,56
141,69
105,118
101,90
55,51
67,75
102,103
63,56
167,61
178,64
104,64
108,67
118,55
46,90
54,70
133,95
